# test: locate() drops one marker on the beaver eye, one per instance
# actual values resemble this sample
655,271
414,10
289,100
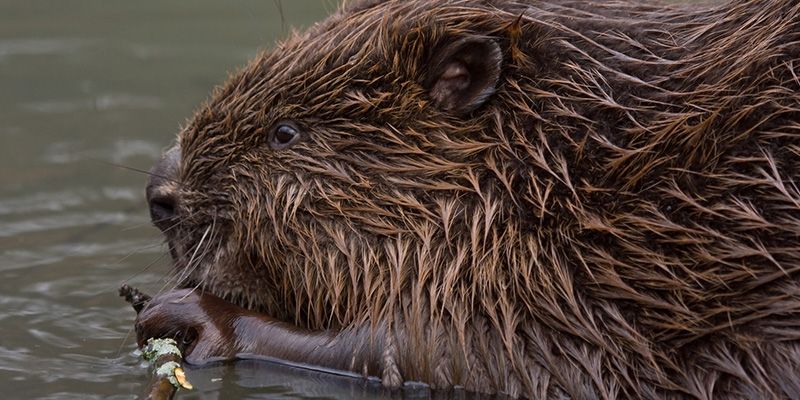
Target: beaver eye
283,136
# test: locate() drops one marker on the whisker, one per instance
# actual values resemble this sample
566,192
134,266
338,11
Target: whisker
137,226
149,222
279,5
197,248
173,226
170,280
145,268
134,169
207,245
130,330
137,250
125,340
207,271
194,260
169,272
206,274
177,277
197,265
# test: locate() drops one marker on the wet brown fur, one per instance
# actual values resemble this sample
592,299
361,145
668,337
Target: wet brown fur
621,219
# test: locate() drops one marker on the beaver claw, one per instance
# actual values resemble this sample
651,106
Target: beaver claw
200,323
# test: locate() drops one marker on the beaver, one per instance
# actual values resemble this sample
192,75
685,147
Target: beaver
549,198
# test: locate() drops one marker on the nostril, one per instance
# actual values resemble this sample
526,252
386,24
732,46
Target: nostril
162,210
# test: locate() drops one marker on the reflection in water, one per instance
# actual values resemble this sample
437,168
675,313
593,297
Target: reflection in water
266,380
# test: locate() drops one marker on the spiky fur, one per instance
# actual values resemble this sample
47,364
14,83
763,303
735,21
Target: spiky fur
620,220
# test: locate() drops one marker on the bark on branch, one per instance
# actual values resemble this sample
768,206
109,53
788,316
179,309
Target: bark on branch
162,354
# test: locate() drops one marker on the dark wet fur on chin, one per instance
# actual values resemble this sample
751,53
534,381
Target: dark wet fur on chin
621,219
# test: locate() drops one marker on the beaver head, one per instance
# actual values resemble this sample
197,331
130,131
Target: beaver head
316,174
548,181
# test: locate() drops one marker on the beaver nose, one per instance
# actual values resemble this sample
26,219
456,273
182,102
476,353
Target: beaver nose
162,190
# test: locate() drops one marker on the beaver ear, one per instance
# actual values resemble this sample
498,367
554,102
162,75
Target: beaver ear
463,74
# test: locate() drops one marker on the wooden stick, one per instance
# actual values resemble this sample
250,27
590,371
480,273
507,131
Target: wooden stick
136,298
162,354
168,376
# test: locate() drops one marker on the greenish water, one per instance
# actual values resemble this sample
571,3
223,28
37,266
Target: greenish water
85,85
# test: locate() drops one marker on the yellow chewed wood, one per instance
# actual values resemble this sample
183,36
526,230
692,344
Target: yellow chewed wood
180,376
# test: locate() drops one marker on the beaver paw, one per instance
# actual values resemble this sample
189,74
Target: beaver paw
200,323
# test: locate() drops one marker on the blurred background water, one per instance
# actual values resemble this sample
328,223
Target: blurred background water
86,85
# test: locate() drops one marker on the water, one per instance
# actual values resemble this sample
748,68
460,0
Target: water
85,85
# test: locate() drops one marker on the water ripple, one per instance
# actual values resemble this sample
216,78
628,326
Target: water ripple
117,152
51,222
52,339
53,254
45,201
39,47
114,101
